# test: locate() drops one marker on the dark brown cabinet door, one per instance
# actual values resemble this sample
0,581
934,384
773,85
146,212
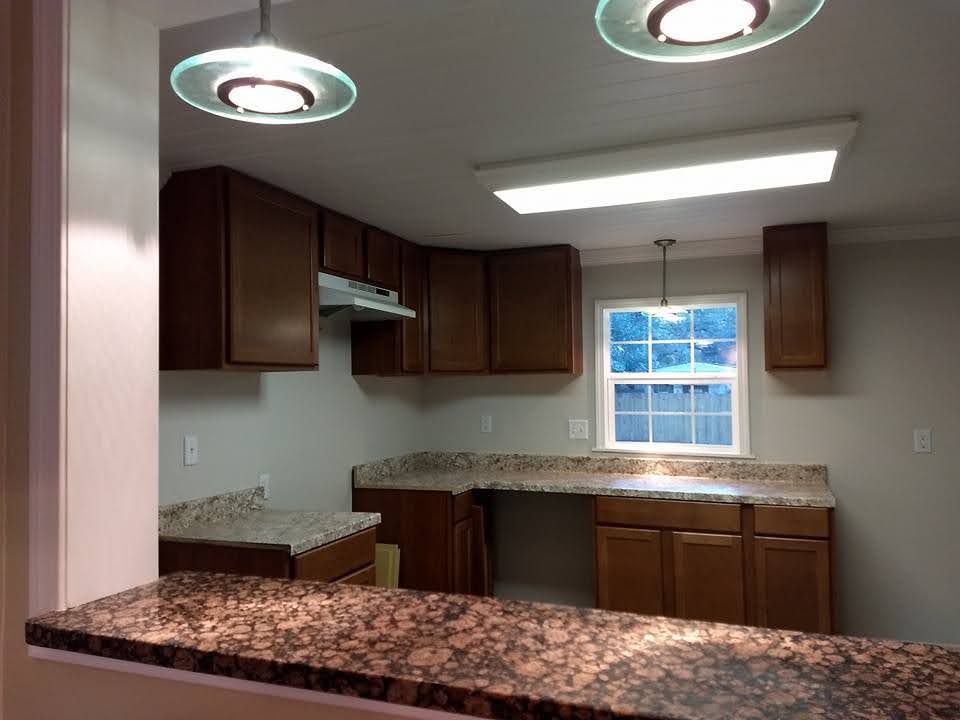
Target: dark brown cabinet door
535,311
629,570
793,584
383,259
413,294
462,555
795,305
708,577
342,245
272,278
458,312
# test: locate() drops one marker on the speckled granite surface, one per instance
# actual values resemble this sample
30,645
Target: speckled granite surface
175,517
715,481
503,659
300,531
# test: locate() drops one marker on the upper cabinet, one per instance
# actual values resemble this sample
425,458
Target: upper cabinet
459,340
342,246
795,302
535,311
383,259
238,274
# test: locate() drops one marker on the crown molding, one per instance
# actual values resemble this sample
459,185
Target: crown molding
730,247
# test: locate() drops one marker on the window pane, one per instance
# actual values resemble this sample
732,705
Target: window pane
673,325
715,323
633,428
671,357
672,429
713,398
629,326
632,398
714,430
671,398
715,356
629,358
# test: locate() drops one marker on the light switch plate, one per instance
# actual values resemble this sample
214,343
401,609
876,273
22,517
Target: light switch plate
579,429
486,423
922,440
191,450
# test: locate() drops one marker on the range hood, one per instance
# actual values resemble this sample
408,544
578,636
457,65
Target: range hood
365,302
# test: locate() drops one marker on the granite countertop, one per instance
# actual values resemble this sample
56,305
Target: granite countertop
300,531
503,659
714,481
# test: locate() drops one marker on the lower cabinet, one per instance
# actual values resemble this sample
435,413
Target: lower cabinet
348,560
698,561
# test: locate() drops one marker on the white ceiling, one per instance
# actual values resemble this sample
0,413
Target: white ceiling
448,84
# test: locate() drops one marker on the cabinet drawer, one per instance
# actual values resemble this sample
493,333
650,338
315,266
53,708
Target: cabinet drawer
363,576
669,514
792,521
337,559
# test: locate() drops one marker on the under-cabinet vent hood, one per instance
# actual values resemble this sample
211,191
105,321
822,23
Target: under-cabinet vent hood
364,301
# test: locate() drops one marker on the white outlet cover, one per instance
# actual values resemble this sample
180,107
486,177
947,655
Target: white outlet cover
486,423
922,440
579,429
191,450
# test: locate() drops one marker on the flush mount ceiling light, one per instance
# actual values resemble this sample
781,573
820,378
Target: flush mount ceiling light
699,30
714,165
262,83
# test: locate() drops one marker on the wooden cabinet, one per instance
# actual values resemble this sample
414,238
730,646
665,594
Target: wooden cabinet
238,265
396,347
795,297
383,259
348,560
459,318
793,584
342,246
630,570
442,546
708,577
708,561
535,311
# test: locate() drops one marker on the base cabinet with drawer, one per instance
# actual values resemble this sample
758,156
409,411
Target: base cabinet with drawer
706,561
347,560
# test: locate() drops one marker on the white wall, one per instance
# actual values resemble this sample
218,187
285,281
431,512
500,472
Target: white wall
894,357
306,429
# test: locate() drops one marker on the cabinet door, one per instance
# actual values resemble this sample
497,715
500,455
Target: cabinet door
383,259
458,313
793,584
413,295
463,556
535,311
708,577
794,267
342,245
272,278
629,570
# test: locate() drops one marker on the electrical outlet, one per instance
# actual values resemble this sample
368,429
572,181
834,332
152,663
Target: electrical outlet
922,440
191,450
486,423
263,480
579,429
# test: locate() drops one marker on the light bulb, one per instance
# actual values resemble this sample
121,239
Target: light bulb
700,21
265,98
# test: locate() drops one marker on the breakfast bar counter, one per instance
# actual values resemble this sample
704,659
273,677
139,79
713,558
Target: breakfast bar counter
502,659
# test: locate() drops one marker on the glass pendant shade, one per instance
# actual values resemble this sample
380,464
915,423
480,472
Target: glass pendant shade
263,84
699,30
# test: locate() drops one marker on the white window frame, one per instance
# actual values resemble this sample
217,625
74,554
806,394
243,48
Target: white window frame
740,400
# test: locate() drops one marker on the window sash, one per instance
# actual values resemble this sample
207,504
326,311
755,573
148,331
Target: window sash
607,380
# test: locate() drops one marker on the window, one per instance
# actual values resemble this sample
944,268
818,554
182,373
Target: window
673,380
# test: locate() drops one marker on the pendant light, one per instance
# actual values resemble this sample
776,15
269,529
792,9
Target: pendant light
663,244
699,30
262,83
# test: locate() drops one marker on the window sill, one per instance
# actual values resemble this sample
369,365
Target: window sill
657,454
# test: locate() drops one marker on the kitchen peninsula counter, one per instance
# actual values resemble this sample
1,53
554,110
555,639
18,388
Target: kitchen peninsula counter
503,659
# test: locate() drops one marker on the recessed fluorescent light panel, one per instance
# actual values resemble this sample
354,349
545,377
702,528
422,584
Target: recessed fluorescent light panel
719,165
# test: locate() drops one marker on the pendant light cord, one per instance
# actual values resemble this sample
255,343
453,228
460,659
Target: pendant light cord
264,37
663,245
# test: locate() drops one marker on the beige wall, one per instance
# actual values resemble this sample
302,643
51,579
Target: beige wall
894,307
